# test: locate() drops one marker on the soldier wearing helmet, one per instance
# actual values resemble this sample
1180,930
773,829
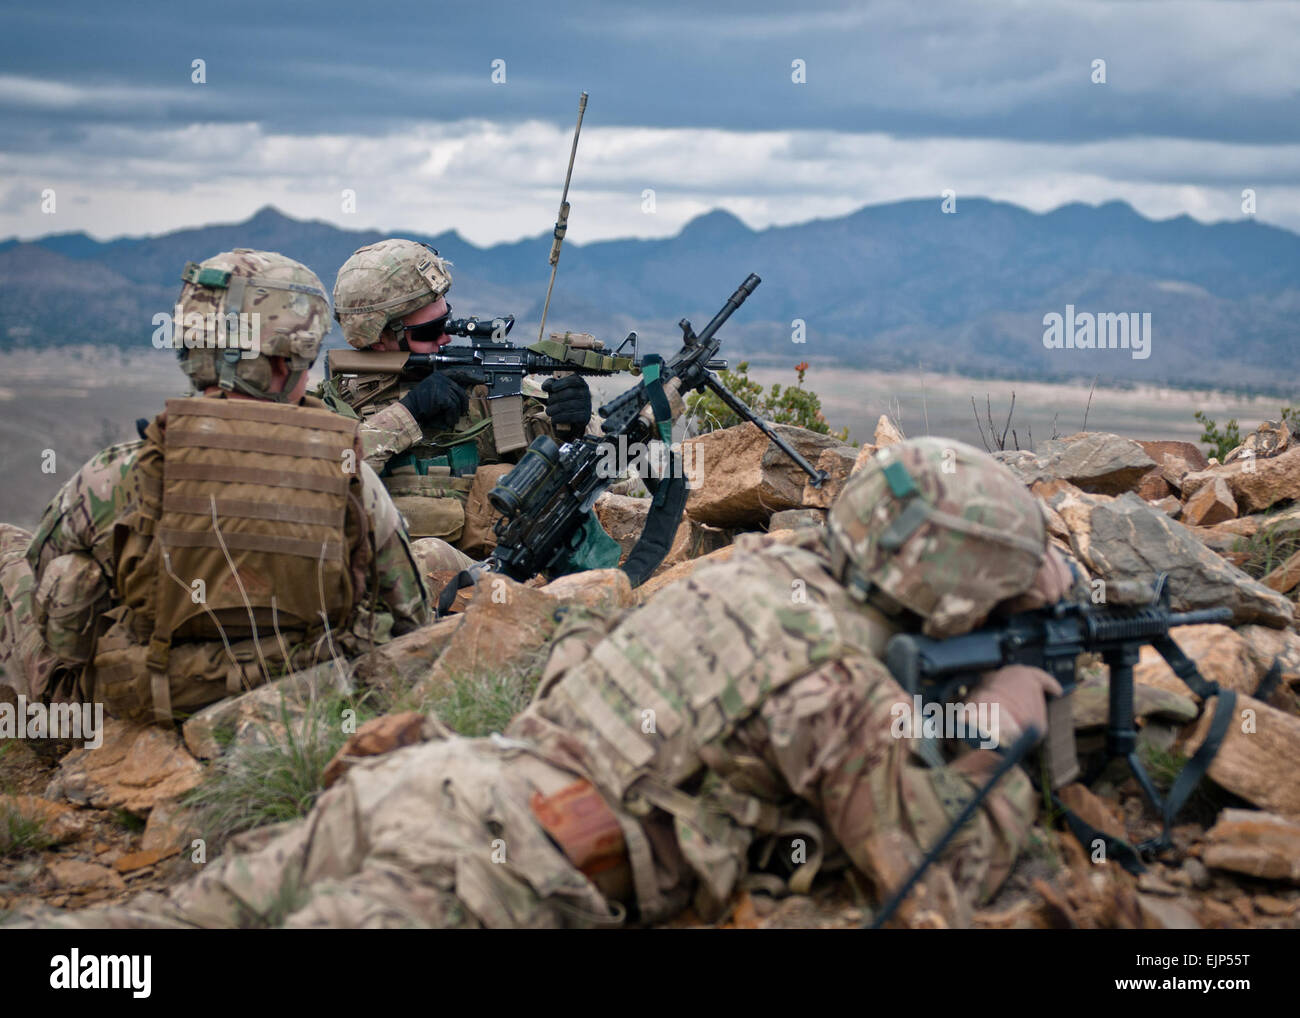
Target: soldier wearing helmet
432,443
736,730
265,544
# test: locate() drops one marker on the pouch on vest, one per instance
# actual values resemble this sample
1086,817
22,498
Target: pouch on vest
479,538
433,504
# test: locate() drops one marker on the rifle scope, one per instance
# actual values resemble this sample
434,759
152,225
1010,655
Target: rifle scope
514,491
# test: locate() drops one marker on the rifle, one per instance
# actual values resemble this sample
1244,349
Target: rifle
493,361
1052,639
545,499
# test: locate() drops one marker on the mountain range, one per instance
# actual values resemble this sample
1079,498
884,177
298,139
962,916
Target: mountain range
888,287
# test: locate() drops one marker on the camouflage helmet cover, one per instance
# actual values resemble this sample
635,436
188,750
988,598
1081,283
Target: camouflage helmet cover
384,281
288,300
939,528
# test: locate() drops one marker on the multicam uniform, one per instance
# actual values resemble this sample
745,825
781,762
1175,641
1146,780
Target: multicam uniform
439,478
739,721
70,616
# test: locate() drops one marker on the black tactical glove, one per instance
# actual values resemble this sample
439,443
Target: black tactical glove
437,401
568,402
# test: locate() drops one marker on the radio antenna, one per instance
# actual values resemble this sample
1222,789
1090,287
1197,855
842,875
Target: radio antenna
562,222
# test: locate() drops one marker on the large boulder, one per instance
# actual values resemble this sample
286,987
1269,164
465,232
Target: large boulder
1259,757
134,768
1174,460
1256,482
838,462
1124,539
1096,461
1257,844
1221,656
1212,503
745,477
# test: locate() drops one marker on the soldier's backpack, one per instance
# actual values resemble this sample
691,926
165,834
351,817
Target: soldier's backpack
248,550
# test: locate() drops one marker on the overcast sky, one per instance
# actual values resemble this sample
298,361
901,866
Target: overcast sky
397,103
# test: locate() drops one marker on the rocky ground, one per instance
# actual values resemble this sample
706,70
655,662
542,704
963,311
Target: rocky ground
98,825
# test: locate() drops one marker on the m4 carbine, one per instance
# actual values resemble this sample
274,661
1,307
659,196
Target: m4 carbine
493,361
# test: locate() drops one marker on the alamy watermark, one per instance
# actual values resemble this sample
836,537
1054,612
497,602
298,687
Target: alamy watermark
235,330
1105,331
619,456
82,722
955,720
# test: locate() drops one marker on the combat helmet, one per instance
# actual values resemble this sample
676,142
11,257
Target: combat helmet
287,313
382,282
938,528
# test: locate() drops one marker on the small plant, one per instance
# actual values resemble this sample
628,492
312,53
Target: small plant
128,820
1220,442
474,704
276,777
792,404
1266,549
21,834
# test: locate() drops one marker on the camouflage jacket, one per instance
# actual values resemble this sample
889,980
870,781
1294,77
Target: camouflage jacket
72,555
756,684
388,429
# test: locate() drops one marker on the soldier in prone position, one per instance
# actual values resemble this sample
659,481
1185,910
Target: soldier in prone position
391,296
242,536
736,730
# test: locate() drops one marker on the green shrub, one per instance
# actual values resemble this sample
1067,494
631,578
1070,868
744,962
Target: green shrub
792,404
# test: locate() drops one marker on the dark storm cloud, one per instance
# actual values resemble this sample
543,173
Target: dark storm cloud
1215,71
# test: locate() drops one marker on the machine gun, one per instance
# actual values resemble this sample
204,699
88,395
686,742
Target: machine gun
1052,638
545,499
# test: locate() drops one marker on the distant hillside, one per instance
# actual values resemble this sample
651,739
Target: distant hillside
888,286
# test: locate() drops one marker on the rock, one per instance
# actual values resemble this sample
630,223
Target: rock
1256,483
1285,577
59,821
1160,914
684,569
169,829
135,767
1257,844
745,477
1170,506
865,452
80,877
1091,809
1213,503
692,540
378,736
505,626
1269,439
623,518
838,462
602,589
1175,459
139,860
1221,656
1259,756
1123,538
1152,486
793,519
887,433
1025,465
1266,645
397,664
1269,905
1090,703
1096,461
242,719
